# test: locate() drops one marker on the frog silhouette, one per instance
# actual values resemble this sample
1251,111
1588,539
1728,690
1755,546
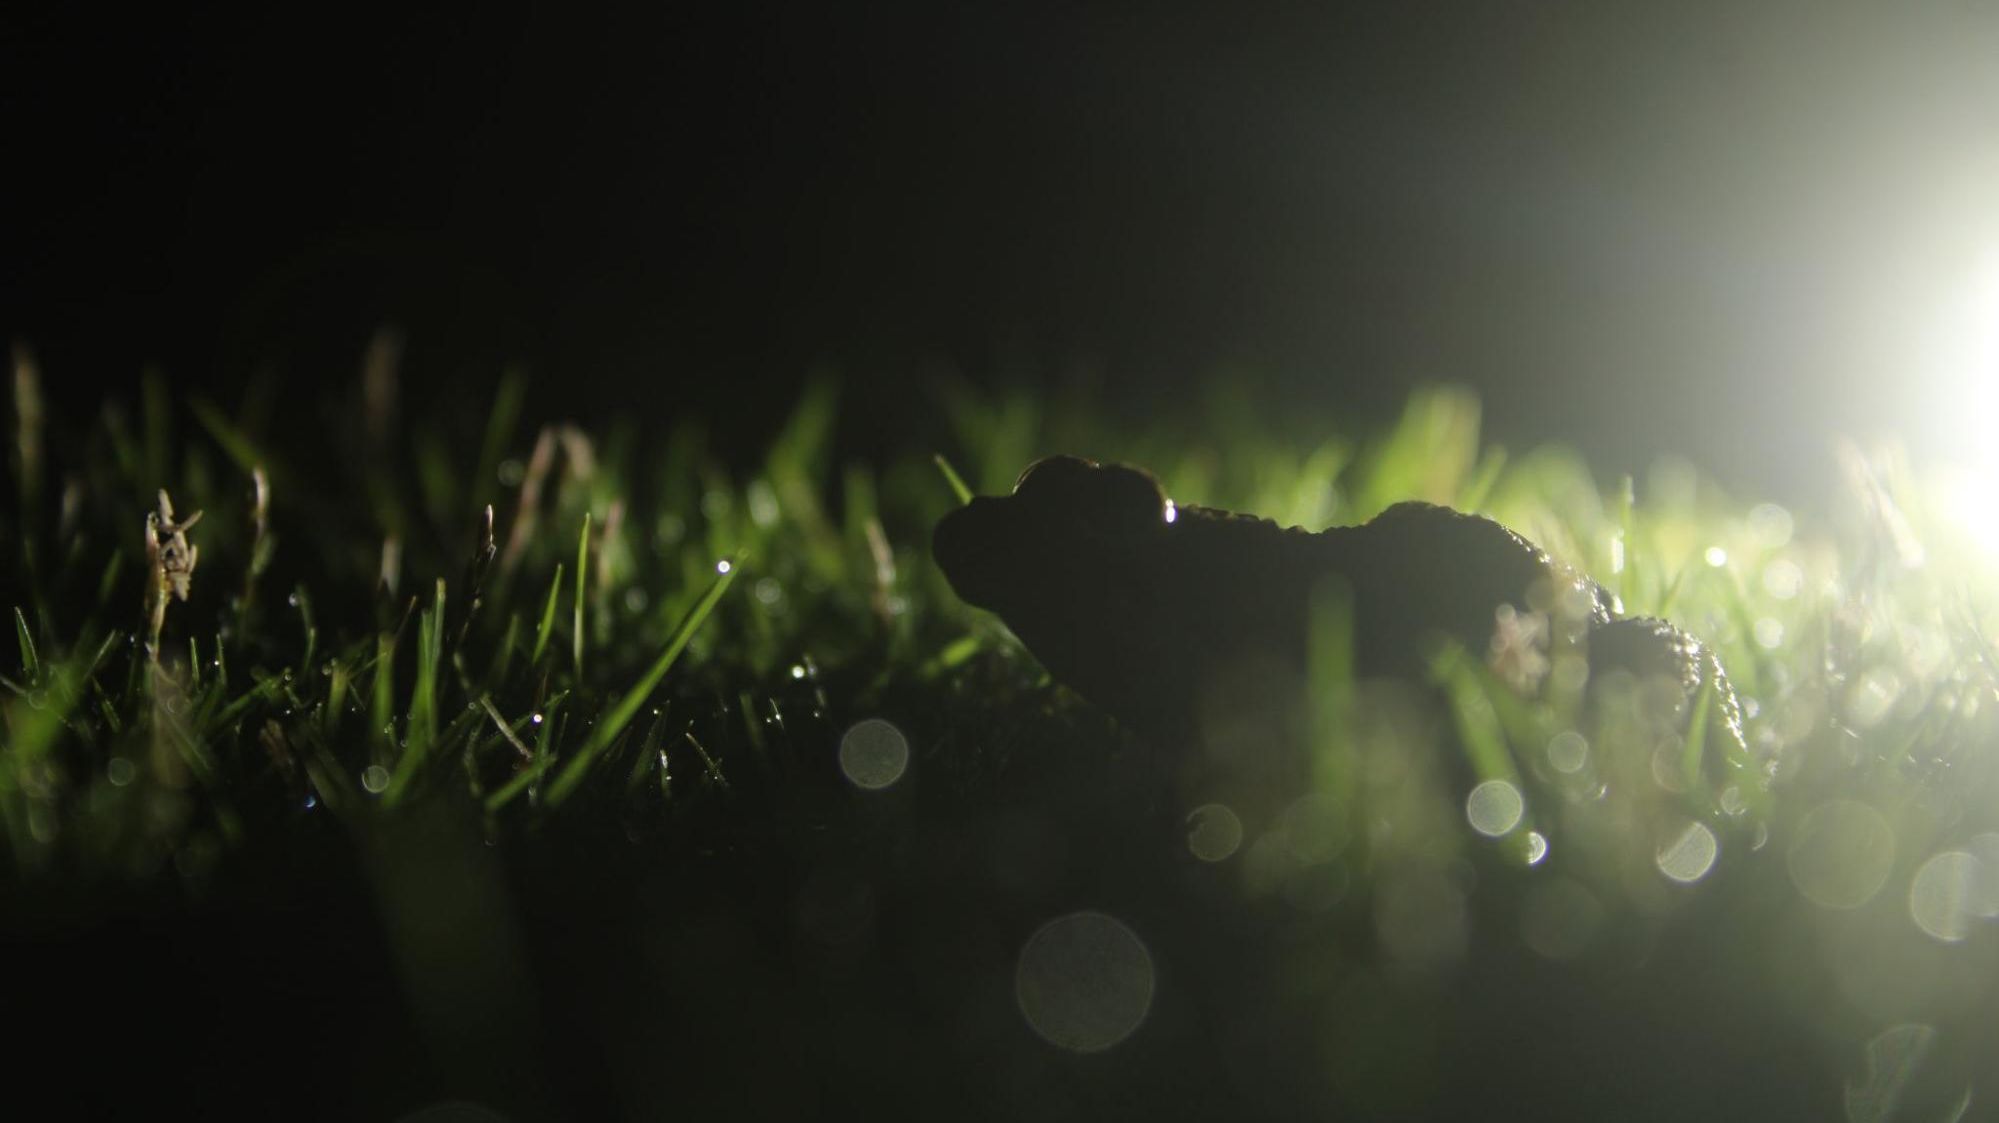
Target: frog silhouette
1165,615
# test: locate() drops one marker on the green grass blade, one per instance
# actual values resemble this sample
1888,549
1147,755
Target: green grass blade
500,423
621,714
547,625
1694,751
952,477
422,731
236,444
383,702
582,570
31,660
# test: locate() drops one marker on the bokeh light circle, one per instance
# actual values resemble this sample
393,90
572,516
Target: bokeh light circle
874,754
1568,751
1841,854
1688,855
1084,981
1943,897
1213,832
1494,808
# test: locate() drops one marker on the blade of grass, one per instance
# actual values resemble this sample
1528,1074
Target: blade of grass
543,760
547,624
1692,753
582,570
31,660
500,422
382,711
234,442
627,707
952,477
422,731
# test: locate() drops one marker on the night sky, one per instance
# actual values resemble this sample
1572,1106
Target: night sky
1726,230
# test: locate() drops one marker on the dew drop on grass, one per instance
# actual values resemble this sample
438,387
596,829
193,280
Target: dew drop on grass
1213,832
1084,982
874,754
375,778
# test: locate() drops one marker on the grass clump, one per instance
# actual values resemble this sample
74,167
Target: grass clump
629,634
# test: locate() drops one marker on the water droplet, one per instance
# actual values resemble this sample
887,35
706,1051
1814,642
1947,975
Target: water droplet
120,771
797,671
1084,982
375,778
722,566
1716,556
535,719
1537,847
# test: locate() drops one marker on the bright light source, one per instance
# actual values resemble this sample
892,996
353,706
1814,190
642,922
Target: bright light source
1965,356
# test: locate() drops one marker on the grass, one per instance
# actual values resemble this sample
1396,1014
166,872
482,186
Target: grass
561,629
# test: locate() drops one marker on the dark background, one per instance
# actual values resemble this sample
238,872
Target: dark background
1723,230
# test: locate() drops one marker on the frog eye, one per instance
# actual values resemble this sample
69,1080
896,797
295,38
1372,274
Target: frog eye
1051,476
1124,501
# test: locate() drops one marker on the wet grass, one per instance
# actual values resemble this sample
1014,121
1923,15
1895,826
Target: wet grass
614,650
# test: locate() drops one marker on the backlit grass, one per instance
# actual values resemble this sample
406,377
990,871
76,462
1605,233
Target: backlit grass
551,625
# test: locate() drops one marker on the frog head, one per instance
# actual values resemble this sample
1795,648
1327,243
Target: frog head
1072,561
1065,536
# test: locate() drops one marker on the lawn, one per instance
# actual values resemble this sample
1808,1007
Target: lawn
623,772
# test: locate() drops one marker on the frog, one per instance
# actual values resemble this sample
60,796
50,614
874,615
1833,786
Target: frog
1141,605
